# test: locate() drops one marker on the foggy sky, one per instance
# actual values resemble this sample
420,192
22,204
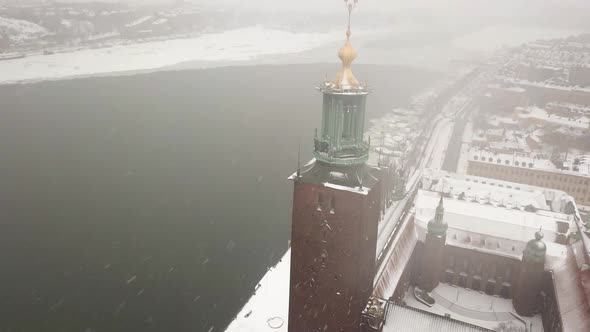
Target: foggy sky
441,7
564,13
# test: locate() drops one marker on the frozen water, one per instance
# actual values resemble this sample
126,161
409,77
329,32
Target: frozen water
222,47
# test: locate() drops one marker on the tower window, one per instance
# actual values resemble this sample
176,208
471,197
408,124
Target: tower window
321,201
348,123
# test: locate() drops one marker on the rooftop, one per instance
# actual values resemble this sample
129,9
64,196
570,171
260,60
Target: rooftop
534,112
547,85
494,229
476,309
573,165
358,179
401,318
506,88
577,108
493,216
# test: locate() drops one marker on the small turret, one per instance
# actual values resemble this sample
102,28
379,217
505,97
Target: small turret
535,250
434,249
530,277
437,226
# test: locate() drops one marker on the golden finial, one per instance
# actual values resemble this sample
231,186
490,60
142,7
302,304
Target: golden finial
346,79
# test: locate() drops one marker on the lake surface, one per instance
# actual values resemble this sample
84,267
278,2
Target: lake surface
155,202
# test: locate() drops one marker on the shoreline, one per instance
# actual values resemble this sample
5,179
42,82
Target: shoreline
255,45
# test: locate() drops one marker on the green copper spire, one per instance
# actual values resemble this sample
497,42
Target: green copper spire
535,249
437,226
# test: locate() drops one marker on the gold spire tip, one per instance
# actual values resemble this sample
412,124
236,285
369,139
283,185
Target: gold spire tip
347,54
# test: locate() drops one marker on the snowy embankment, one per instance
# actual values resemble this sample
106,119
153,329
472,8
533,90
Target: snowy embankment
268,308
224,47
19,31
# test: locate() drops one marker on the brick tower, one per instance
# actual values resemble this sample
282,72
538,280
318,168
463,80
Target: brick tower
335,214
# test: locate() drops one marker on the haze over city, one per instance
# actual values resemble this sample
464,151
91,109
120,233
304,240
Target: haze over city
295,166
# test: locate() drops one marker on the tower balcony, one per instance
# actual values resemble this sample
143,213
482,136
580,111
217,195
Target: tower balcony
343,155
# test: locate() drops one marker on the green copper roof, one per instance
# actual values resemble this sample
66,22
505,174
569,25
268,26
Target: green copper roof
535,249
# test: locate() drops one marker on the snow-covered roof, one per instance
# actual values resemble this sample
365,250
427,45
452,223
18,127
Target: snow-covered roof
577,108
402,318
572,289
496,229
488,191
492,215
529,160
476,308
498,120
541,114
506,88
546,85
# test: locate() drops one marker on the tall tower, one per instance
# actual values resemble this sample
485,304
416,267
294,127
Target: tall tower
434,249
530,277
335,213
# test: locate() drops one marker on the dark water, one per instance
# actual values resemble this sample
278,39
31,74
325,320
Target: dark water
154,202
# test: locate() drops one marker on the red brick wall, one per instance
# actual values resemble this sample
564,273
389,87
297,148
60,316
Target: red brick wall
332,257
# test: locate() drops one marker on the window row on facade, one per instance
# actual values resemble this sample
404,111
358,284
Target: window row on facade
578,187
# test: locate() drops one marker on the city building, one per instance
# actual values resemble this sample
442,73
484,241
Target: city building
538,73
539,116
568,109
541,93
481,254
572,175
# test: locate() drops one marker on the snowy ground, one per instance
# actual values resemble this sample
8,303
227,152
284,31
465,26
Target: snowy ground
226,47
268,308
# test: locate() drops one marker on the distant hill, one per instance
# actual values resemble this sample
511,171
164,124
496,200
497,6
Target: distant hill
19,31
